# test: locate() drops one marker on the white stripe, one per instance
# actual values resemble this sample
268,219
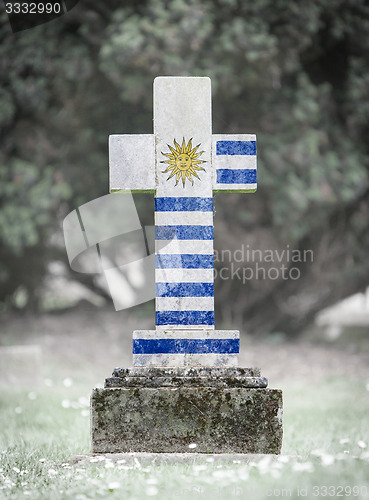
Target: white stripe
185,304
188,327
234,161
203,247
209,359
184,275
233,137
234,187
167,333
183,218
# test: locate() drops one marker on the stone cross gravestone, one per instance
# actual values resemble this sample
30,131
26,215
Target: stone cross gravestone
185,386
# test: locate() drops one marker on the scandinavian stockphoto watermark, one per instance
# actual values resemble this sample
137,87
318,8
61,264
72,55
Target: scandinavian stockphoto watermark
123,254
246,263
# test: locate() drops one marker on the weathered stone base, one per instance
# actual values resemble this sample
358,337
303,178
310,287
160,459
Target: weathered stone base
222,414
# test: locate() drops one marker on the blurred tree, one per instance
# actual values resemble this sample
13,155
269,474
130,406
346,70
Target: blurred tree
296,74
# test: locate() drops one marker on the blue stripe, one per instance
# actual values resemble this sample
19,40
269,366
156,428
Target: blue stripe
185,204
236,148
184,261
233,176
184,289
184,232
185,318
185,346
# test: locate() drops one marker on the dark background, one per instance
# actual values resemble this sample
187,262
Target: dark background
294,73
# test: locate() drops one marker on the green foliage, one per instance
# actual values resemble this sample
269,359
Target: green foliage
39,194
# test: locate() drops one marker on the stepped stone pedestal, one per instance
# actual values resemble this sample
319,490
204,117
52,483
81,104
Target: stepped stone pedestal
165,410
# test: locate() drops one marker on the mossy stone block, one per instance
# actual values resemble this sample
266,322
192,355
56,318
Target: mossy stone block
168,420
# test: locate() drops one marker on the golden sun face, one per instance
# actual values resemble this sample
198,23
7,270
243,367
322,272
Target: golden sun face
183,161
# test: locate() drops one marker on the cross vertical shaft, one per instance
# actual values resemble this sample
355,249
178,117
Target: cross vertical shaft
183,204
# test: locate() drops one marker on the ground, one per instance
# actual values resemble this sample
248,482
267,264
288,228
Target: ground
88,342
42,427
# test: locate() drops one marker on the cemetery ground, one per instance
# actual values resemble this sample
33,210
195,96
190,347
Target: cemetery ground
42,427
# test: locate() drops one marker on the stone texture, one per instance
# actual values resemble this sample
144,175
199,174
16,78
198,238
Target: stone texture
131,161
252,382
182,128
234,166
199,371
181,358
169,333
185,360
158,420
182,110
180,377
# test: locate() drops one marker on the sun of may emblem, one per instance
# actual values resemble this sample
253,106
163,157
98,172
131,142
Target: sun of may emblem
183,161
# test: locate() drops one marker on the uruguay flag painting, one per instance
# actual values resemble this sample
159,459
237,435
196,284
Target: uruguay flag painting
234,162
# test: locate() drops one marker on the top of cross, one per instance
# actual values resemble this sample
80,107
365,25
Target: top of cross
182,157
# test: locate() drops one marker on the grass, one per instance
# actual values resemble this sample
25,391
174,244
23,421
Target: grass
325,451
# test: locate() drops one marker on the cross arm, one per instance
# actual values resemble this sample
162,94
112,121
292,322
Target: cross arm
234,163
131,163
